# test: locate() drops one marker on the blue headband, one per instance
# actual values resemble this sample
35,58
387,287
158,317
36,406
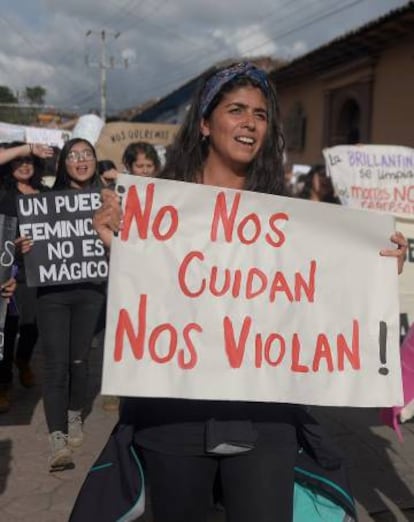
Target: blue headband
214,84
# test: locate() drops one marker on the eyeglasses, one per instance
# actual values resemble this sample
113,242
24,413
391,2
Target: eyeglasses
84,155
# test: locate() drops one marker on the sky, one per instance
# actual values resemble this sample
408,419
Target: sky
57,44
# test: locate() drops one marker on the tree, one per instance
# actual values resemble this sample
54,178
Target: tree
6,95
35,95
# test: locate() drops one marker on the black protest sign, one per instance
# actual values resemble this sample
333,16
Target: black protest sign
8,227
66,248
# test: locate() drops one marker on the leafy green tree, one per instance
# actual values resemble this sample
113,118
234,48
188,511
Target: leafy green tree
6,95
35,95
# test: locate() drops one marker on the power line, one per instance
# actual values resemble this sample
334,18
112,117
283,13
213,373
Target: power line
208,50
104,64
253,29
130,9
125,11
208,54
117,23
286,32
308,23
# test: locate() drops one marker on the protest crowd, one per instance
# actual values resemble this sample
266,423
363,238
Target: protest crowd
66,210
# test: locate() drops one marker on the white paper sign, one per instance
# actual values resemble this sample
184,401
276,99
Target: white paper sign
375,177
88,127
55,137
224,294
10,132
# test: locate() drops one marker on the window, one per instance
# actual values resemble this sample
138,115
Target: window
349,123
347,114
295,128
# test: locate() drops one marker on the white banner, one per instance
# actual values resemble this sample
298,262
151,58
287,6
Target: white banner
375,177
224,294
88,127
380,178
10,132
55,137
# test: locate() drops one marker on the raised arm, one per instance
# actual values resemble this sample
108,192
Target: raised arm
37,149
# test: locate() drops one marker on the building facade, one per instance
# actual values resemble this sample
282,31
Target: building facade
357,89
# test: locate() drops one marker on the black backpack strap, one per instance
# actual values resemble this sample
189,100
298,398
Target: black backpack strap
114,487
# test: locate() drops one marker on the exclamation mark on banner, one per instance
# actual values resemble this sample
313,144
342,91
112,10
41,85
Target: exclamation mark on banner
383,347
120,190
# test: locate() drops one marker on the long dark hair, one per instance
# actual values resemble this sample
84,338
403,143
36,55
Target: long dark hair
63,180
319,170
104,165
8,180
186,156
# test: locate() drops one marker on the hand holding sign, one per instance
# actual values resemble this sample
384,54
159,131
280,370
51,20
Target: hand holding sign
400,252
107,219
23,244
8,288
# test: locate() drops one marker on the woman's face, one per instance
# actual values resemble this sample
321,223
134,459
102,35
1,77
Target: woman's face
143,166
237,127
80,164
321,185
22,169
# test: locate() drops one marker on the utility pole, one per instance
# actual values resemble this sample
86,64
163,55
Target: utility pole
104,64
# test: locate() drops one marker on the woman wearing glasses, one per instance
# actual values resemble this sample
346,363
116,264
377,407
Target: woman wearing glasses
67,318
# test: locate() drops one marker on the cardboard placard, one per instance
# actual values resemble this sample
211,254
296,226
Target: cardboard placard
115,137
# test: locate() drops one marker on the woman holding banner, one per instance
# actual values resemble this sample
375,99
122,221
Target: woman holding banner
67,318
231,138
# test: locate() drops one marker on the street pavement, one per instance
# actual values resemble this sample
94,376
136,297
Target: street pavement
381,469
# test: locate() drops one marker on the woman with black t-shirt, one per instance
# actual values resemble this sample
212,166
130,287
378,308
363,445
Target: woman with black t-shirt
231,138
67,318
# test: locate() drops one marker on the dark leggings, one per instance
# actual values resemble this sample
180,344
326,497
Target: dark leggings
25,344
22,325
67,320
256,486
